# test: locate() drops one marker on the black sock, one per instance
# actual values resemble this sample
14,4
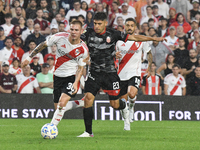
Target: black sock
88,115
122,105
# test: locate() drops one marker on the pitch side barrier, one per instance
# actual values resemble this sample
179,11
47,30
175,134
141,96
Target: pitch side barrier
147,107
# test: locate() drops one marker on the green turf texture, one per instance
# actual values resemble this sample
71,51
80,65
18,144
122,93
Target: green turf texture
24,134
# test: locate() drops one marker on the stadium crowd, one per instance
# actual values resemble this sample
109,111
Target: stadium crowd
26,23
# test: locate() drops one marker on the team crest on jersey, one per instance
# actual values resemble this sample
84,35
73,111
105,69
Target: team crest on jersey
77,52
108,39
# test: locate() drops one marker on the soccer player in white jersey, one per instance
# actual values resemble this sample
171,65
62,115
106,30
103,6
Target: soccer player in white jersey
129,69
72,53
174,83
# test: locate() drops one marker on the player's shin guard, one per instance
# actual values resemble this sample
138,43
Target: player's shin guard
122,104
131,107
58,115
88,115
74,104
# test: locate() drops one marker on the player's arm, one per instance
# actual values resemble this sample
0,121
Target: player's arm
184,91
150,60
144,38
38,49
166,88
79,73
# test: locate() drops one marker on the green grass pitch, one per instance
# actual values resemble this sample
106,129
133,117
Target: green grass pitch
24,134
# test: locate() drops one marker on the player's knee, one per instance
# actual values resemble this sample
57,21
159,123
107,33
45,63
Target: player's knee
88,101
132,94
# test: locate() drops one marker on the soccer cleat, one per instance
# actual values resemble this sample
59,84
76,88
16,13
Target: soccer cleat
127,124
86,134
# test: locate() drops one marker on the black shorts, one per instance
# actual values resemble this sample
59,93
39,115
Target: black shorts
134,81
63,85
109,82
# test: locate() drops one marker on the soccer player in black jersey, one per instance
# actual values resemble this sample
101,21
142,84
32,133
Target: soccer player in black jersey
101,43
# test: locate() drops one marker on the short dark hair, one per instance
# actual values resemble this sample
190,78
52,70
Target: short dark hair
151,19
77,22
100,16
115,3
176,65
75,1
153,29
81,16
153,63
181,38
148,7
131,19
61,23
8,38
8,15
32,41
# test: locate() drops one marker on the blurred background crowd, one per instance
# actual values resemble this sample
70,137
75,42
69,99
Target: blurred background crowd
26,23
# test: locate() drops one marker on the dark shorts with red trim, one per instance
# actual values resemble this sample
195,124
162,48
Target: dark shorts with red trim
109,82
63,85
134,81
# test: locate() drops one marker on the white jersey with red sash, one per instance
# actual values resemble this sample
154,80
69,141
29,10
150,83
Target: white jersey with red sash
13,70
175,85
7,55
68,56
130,63
26,84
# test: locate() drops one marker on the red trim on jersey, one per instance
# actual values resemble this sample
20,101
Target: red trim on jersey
25,83
103,32
176,86
112,92
12,55
128,56
153,78
126,37
62,34
65,57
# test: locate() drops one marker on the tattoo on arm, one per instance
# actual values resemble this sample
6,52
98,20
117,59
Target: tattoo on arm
38,49
150,59
79,73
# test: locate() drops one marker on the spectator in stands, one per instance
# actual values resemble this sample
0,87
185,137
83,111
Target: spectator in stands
149,15
166,67
143,8
171,38
14,68
120,22
51,62
54,30
153,84
152,31
193,44
66,4
13,10
190,34
3,11
172,15
8,83
155,12
180,21
43,23
198,50
181,6
89,19
22,22
190,64
52,53
159,52
45,7
2,38
138,6
15,20
131,9
144,29
31,11
26,82
151,23
99,7
56,20
35,66
29,30
174,83
84,5
113,13
181,53
163,8
7,53
61,27
193,83
32,45
63,19
180,34
16,32
162,30
120,28
8,26
17,47
45,79
37,37
191,13
82,20
54,7
76,11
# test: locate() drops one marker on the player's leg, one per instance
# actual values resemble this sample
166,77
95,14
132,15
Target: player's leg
133,87
92,86
74,104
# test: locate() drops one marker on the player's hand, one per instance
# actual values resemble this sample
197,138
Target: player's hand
86,59
148,74
160,39
75,86
24,63
118,55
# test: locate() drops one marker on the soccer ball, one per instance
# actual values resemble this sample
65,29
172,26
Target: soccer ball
49,131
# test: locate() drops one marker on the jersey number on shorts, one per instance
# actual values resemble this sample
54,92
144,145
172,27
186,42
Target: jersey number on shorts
115,85
137,82
70,88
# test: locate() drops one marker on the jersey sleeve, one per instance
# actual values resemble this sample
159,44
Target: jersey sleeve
146,47
166,80
85,35
80,60
51,40
183,84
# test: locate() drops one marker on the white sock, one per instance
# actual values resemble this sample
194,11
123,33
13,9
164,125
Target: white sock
74,104
58,115
132,101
